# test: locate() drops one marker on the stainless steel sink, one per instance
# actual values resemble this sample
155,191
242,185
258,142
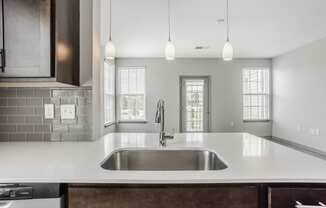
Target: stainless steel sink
163,160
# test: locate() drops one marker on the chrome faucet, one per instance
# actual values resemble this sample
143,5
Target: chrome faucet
159,118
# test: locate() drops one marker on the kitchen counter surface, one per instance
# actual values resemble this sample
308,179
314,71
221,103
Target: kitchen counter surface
250,159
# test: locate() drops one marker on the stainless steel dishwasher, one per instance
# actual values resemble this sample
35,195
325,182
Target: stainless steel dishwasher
31,196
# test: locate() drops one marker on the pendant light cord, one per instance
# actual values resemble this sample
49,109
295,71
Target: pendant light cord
227,21
169,19
110,38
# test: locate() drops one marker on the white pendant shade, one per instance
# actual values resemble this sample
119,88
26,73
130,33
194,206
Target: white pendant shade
169,51
228,51
109,51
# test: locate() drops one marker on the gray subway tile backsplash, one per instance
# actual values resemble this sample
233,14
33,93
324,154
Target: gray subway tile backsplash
16,102
42,92
25,92
15,119
25,128
34,101
4,137
33,119
35,137
60,128
22,114
3,119
17,137
42,128
24,111
3,102
8,92
7,128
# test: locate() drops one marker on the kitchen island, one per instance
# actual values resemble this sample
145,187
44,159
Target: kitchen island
250,159
258,172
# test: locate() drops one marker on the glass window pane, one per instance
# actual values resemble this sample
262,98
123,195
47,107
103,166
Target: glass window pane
132,107
109,92
256,94
194,105
124,81
132,93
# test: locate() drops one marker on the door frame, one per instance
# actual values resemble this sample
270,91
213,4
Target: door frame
206,77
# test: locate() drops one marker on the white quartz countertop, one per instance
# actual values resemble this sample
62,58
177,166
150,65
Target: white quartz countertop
250,159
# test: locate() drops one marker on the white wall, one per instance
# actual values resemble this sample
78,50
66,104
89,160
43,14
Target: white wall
300,95
162,81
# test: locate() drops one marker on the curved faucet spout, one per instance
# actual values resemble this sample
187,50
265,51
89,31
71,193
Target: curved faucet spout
160,118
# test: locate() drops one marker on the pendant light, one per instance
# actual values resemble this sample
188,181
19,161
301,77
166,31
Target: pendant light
109,47
169,48
228,49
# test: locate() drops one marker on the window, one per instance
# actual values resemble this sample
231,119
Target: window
109,93
131,86
256,94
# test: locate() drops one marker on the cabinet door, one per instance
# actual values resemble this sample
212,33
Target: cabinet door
171,197
287,197
67,41
27,25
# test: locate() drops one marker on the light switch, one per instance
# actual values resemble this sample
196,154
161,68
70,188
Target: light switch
68,112
49,111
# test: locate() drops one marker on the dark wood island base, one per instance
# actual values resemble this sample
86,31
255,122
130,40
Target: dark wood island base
194,196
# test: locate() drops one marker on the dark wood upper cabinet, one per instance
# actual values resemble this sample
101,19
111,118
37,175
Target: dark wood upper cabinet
26,38
66,28
40,40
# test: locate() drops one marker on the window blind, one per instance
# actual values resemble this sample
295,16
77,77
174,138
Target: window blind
256,94
109,93
131,84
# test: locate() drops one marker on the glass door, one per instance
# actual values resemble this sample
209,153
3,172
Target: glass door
194,104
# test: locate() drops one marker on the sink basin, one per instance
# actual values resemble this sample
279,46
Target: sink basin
163,160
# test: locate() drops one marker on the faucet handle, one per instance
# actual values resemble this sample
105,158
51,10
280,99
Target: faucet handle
164,138
168,136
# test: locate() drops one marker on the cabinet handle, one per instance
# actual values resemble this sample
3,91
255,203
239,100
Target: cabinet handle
3,51
300,205
3,60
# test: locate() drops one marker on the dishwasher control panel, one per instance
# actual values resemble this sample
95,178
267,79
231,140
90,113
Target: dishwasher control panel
13,193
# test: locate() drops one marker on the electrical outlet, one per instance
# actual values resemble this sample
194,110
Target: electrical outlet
232,124
49,111
68,112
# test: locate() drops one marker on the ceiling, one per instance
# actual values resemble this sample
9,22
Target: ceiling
259,28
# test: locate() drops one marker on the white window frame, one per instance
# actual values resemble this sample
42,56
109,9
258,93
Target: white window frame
268,94
144,120
106,67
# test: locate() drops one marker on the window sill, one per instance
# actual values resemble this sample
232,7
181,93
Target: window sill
256,121
106,125
133,121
